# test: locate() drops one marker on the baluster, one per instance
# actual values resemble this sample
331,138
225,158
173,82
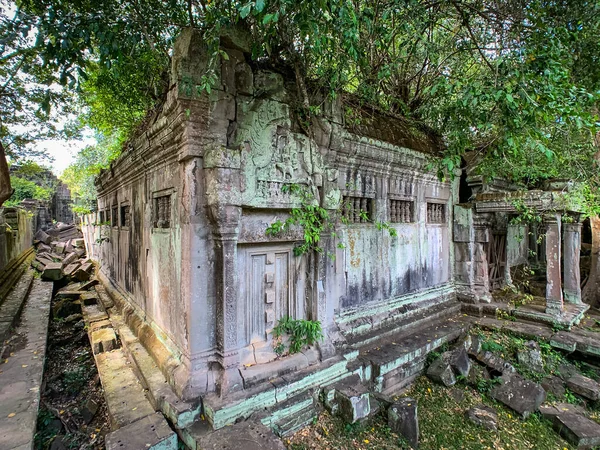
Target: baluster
364,209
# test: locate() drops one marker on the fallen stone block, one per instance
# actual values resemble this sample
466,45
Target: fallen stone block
68,294
89,298
459,361
530,357
70,258
38,265
577,429
42,236
496,364
584,386
71,268
484,416
89,410
87,286
520,395
403,420
550,411
43,248
353,399
103,340
555,385
441,372
80,252
60,248
52,271
84,272
78,243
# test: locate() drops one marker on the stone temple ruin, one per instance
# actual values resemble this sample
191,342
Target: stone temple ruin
180,238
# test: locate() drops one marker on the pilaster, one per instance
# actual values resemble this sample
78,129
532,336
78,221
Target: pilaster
572,249
554,294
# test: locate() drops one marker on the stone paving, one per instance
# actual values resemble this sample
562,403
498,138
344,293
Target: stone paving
22,370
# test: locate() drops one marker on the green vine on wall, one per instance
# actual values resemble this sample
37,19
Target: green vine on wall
315,221
302,333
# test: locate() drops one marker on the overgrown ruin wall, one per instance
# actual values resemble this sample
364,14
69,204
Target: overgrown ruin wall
16,234
183,212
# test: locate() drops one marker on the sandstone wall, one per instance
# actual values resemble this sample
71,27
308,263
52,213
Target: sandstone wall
16,233
183,213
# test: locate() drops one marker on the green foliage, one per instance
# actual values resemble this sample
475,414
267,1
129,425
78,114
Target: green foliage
27,189
301,333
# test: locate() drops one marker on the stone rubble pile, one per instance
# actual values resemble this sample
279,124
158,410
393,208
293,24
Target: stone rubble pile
61,254
518,393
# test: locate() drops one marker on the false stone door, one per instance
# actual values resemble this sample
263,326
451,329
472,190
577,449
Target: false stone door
270,288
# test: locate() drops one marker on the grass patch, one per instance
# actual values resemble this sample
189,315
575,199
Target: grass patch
442,424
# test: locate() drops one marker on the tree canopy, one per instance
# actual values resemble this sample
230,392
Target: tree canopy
517,82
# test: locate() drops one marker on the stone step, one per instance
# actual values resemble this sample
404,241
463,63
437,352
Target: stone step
368,319
293,414
11,307
242,404
411,320
396,358
180,413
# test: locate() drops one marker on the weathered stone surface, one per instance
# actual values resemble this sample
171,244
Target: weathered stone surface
151,432
71,268
89,410
52,272
103,340
353,399
84,272
578,430
530,357
459,361
496,364
87,286
522,396
584,386
403,419
549,411
42,236
248,435
484,416
441,372
69,259
554,384
89,298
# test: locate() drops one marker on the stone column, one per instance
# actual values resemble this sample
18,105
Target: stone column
572,248
223,197
554,295
481,225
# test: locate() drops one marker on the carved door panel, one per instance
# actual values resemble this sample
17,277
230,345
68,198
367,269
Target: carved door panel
267,290
496,260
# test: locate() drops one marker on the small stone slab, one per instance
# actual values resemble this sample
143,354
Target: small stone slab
459,361
84,272
52,271
87,286
564,340
520,395
578,430
103,340
353,399
496,363
484,416
530,357
584,386
93,313
554,384
248,435
70,258
553,410
150,433
89,298
125,397
441,372
403,419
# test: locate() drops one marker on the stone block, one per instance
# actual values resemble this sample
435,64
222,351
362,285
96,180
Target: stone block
71,268
70,258
84,272
403,420
484,416
79,243
584,386
520,395
578,430
89,298
441,372
554,384
459,361
497,365
43,248
353,399
80,252
60,248
42,236
103,340
530,357
52,272
247,435
87,286
151,432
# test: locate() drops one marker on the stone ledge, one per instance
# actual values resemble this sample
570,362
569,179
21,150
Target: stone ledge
148,433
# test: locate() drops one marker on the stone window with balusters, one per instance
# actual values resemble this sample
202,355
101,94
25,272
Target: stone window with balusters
436,213
357,209
402,211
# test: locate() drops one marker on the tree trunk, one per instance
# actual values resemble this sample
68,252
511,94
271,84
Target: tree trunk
591,290
5,189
